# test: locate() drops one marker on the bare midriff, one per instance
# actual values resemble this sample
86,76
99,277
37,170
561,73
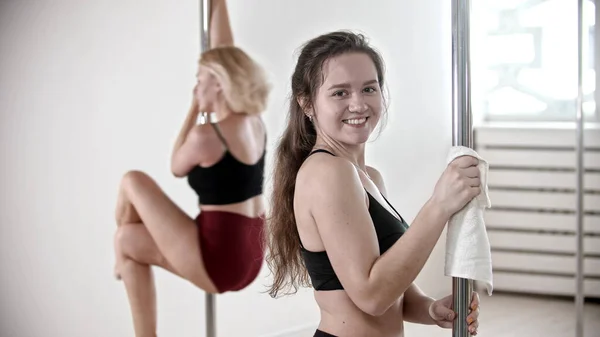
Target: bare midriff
341,317
252,208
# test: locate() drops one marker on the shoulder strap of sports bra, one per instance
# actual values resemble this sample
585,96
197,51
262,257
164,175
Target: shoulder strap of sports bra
219,134
320,150
222,138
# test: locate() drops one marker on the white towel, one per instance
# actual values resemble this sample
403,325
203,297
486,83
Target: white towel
468,252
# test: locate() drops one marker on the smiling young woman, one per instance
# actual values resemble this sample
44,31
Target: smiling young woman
331,225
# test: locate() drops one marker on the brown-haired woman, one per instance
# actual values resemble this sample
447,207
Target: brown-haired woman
222,248
331,224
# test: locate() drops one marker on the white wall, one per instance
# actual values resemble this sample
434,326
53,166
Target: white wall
89,90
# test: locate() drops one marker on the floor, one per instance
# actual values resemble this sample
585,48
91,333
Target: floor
504,315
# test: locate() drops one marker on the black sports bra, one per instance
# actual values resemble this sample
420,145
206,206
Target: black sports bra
228,181
387,227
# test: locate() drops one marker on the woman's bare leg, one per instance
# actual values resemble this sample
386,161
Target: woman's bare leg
173,231
139,284
165,237
138,252
125,213
219,28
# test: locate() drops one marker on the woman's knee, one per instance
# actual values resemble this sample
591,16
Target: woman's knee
135,243
122,239
132,179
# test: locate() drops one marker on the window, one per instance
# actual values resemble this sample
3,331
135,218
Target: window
524,60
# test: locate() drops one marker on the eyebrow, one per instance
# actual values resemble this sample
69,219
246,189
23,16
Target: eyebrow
347,85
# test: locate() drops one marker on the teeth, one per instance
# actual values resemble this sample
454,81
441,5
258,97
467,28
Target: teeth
355,121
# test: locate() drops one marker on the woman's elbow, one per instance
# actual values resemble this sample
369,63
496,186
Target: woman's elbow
177,171
373,304
177,174
373,308
179,165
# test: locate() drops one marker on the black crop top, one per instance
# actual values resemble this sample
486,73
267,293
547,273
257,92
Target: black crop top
228,181
387,227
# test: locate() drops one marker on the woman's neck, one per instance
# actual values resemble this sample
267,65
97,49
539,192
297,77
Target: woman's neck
355,153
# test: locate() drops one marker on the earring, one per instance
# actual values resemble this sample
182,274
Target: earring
310,117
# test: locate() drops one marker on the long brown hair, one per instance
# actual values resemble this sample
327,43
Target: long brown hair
284,258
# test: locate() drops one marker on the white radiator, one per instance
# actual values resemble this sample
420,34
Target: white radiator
531,224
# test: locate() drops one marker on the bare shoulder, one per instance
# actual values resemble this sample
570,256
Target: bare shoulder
258,129
374,174
202,134
377,178
205,143
242,131
324,174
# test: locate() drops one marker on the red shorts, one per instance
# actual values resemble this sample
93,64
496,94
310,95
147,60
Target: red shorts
232,248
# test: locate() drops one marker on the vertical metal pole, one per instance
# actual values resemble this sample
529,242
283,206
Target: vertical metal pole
579,296
204,25
462,135
596,53
211,319
210,300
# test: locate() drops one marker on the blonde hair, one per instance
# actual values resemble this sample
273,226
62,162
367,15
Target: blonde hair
244,83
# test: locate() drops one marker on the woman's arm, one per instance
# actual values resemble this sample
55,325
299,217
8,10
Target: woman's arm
416,303
220,27
181,157
186,150
416,306
337,204
373,281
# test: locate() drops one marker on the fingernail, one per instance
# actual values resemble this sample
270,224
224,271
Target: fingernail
469,320
450,315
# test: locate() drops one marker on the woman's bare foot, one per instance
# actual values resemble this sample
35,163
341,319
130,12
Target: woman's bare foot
118,258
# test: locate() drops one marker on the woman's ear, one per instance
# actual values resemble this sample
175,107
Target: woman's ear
304,104
213,80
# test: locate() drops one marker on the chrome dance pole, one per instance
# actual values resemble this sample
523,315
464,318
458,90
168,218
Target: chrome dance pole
204,25
596,52
210,300
211,319
579,285
462,135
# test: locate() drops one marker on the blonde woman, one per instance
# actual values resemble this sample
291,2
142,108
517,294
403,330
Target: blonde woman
223,159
